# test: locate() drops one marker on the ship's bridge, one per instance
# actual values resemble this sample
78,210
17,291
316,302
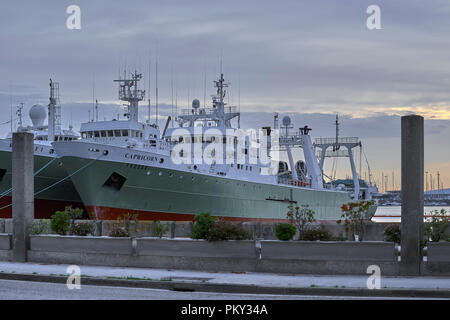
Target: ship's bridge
202,134
119,131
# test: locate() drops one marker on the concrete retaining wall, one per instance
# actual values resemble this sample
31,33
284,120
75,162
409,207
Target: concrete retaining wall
237,256
438,251
336,251
5,246
438,259
78,244
195,248
5,241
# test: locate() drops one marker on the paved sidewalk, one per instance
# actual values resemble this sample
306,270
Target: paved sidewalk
227,282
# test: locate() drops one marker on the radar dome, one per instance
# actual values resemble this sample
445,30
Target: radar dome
195,103
38,113
286,121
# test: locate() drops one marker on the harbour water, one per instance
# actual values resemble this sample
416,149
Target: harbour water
393,213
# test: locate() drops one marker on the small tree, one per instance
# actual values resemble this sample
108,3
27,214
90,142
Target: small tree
355,216
122,226
392,233
74,214
285,231
435,229
203,222
301,216
60,222
159,229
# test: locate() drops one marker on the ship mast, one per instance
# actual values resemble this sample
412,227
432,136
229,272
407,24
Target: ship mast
128,91
54,111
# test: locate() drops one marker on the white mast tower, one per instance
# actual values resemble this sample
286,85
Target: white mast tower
54,111
128,91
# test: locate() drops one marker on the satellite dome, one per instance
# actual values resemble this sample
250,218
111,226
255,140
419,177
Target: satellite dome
286,121
195,103
38,113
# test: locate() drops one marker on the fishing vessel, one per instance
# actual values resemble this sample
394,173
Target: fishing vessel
204,164
52,192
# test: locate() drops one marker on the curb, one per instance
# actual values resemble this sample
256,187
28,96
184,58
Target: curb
235,288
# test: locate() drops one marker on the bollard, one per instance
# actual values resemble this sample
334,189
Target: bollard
412,161
22,193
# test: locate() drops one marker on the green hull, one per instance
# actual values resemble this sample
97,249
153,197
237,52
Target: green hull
177,195
46,202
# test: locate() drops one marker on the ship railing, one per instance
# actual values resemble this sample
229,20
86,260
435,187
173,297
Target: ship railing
339,140
293,182
206,111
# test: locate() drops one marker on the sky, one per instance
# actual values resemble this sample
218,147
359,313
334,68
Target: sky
306,59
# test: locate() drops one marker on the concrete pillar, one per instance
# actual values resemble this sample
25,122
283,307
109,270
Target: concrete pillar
22,193
412,159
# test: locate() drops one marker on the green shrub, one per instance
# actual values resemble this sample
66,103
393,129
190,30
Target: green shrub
302,216
285,231
435,228
159,229
81,229
316,234
223,230
40,227
392,233
60,222
119,232
203,222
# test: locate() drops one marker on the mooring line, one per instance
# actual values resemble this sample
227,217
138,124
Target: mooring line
65,178
6,192
70,175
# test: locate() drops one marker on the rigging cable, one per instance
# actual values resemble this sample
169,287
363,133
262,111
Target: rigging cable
63,179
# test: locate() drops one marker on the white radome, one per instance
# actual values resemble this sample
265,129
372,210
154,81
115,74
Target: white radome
38,114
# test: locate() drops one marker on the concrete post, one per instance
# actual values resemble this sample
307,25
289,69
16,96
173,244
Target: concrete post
412,159
22,193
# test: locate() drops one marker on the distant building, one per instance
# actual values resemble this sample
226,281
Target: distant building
442,194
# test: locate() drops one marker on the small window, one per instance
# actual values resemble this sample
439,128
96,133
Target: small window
83,135
125,133
117,133
96,134
103,133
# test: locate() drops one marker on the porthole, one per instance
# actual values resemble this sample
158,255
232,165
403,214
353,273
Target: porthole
105,152
148,173
161,160
51,151
160,174
171,174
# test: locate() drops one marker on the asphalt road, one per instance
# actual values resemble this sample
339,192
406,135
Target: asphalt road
29,290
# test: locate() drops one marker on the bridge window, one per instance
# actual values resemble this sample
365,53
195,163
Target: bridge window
96,134
125,133
110,133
